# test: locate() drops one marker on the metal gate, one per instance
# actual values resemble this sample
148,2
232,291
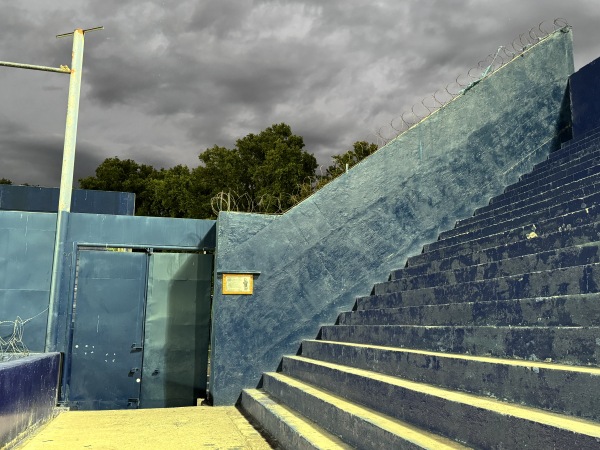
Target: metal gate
139,330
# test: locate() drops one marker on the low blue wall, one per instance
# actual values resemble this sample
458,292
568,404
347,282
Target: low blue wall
314,259
43,199
28,393
585,98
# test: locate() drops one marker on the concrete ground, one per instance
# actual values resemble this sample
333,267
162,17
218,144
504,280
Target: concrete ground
169,428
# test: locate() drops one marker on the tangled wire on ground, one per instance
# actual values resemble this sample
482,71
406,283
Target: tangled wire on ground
463,83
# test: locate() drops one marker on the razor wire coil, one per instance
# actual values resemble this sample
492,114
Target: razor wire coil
463,82
11,337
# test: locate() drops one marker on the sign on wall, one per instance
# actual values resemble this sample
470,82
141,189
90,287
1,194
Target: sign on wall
238,284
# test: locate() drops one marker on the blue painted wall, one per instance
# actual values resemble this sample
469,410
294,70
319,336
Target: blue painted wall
317,257
26,251
585,98
116,231
26,246
28,393
43,199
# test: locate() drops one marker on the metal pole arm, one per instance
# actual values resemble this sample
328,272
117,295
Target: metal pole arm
61,69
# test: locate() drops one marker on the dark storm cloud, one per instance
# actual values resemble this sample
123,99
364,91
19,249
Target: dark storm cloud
166,80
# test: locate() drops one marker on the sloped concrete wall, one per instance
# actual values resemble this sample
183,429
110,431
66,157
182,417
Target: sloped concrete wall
317,257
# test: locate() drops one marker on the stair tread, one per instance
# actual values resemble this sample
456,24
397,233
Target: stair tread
408,432
309,430
500,263
551,419
484,359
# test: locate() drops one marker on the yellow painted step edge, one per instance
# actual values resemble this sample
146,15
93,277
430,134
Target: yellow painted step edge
485,359
522,412
417,436
307,429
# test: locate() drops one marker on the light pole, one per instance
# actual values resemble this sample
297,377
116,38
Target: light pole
66,178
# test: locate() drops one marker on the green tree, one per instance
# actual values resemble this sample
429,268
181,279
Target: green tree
5,181
114,174
169,193
360,150
263,172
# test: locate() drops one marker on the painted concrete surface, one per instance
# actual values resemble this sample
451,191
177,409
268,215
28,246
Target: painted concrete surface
171,428
28,392
317,257
44,199
585,98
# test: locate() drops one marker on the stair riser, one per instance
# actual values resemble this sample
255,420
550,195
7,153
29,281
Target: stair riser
536,202
351,429
555,259
569,281
569,151
572,199
514,196
486,429
553,172
581,141
563,224
554,311
551,241
491,226
571,393
563,345
585,154
286,436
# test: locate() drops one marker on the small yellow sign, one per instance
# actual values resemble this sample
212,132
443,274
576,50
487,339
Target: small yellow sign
238,284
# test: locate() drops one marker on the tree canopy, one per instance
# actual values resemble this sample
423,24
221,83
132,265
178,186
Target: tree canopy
5,181
267,172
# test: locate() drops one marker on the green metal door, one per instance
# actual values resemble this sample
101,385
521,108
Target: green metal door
177,328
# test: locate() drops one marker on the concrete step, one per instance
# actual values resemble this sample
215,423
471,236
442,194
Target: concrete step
564,345
548,260
527,209
513,219
571,228
359,426
564,281
286,426
571,151
568,310
556,171
548,242
477,421
571,390
523,194
580,205
537,198
580,137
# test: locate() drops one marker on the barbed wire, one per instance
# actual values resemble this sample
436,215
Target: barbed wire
464,82
11,342
270,204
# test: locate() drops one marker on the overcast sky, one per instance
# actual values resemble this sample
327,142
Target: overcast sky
167,79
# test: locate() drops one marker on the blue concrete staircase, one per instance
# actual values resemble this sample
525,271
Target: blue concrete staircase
488,339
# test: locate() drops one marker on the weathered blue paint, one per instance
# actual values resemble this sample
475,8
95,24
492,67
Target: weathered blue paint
177,330
335,245
43,199
115,231
585,98
105,368
26,245
28,390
